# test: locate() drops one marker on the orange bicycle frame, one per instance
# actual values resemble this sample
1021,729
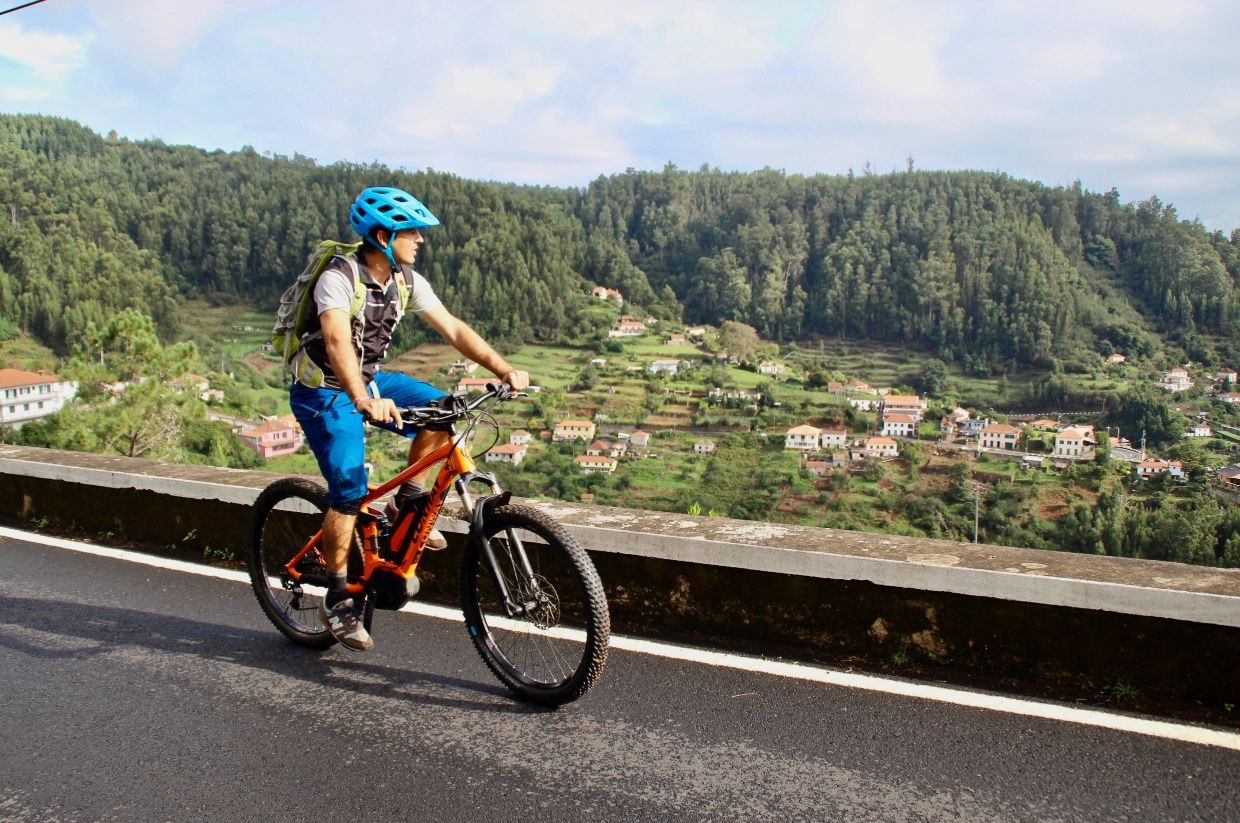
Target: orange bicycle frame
404,539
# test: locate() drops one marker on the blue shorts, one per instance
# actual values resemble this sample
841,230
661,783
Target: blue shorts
336,431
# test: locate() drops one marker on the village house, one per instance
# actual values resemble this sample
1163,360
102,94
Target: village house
837,459
191,383
973,426
868,448
602,293
628,328
1230,475
463,367
947,428
999,436
1074,444
519,438
1230,397
802,438
818,467
704,447
618,449
591,464
1199,430
573,430
1175,380
859,387
273,438
835,388
1153,468
1045,424
472,385
899,425
677,339
833,439
1225,376
598,448
1116,359
909,404
664,365
26,395
696,331
770,369
640,440
718,394
506,454
863,403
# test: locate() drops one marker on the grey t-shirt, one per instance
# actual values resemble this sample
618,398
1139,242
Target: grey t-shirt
334,290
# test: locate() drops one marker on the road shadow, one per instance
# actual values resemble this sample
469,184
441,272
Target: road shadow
83,631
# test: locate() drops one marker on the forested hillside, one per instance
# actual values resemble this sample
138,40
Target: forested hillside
973,266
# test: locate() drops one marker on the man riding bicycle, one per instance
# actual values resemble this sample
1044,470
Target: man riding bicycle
349,388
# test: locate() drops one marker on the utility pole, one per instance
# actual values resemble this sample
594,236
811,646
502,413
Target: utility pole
977,504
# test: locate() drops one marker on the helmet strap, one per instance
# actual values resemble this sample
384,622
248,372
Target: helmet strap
387,250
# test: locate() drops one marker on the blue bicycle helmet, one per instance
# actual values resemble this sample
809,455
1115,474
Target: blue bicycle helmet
382,207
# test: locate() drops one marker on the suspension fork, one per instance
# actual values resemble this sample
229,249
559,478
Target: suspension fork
477,513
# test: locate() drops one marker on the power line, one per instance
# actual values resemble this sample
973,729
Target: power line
22,6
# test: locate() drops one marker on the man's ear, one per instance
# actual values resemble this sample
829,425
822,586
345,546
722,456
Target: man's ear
382,237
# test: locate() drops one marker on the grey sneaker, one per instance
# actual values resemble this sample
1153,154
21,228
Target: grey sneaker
344,624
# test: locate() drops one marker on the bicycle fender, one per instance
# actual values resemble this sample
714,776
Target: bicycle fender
484,508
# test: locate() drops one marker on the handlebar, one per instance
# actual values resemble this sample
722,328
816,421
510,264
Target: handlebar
451,408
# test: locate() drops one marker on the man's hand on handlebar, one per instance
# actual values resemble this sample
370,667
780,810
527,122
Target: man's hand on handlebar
517,380
379,410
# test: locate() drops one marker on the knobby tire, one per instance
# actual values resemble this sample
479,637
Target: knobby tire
275,535
555,653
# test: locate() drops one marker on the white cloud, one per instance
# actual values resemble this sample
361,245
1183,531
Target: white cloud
155,35
41,61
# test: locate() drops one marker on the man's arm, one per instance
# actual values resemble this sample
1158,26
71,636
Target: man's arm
467,341
338,338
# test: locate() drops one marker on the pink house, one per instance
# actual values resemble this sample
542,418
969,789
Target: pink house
273,438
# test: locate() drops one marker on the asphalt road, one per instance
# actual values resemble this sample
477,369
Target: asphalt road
135,693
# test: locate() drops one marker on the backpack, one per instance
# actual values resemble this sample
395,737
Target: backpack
290,333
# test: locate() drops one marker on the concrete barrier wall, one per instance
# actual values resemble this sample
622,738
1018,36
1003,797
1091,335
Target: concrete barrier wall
1049,622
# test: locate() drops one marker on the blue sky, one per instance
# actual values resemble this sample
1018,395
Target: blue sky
1143,96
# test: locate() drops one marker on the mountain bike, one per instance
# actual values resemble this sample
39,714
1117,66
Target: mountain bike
533,602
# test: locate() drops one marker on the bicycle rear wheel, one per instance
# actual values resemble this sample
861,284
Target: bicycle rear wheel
553,648
284,518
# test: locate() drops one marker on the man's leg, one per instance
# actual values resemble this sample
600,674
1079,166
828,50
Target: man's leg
335,433
337,532
425,443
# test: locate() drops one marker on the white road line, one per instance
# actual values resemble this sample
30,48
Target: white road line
798,671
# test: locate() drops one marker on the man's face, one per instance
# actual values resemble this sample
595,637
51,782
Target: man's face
405,246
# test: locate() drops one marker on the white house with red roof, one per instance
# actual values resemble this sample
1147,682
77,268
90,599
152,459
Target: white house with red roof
603,293
1153,468
802,438
506,453
899,425
1074,443
27,395
1176,379
628,328
909,404
999,436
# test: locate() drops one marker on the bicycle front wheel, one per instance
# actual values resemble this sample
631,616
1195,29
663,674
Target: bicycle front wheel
548,642
284,518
